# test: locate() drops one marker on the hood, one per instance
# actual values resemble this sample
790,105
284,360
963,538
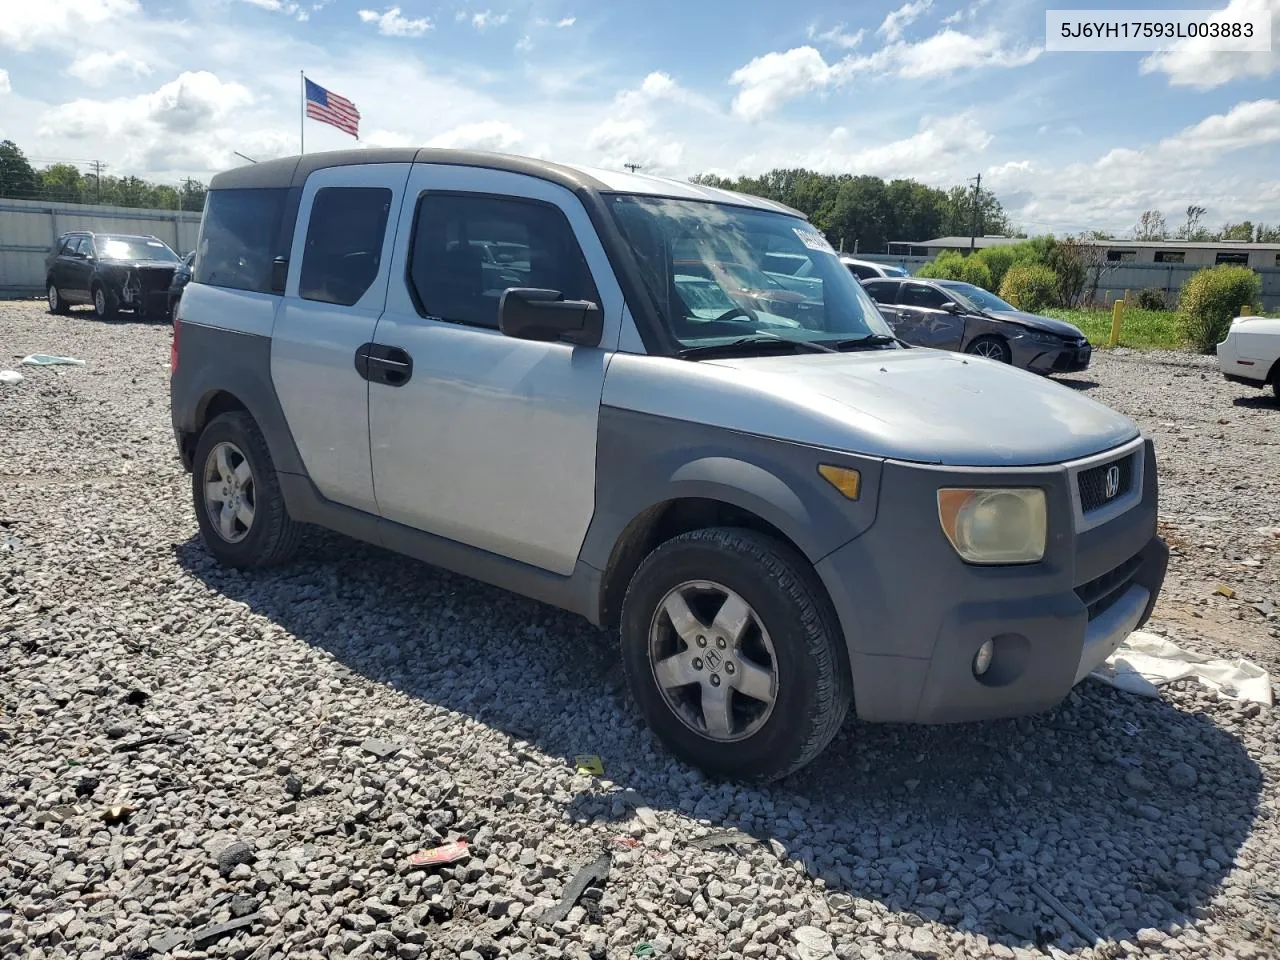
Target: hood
1037,322
931,406
136,264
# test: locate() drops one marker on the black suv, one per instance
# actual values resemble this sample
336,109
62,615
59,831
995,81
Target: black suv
111,271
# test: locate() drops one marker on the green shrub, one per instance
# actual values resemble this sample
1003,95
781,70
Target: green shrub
998,260
1030,287
1151,299
950,265
1211,298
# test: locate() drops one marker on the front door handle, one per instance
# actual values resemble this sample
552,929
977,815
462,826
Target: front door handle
379,363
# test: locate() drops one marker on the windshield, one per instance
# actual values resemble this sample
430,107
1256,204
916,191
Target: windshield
714,271
133,248
978,297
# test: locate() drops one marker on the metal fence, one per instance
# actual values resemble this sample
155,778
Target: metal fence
1168,278
28,229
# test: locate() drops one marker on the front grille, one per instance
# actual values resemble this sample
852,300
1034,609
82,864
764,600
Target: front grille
155,279
1093,484
1101,592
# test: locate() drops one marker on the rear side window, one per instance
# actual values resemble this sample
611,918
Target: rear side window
238,237
344,243
884,291
861,272
470,248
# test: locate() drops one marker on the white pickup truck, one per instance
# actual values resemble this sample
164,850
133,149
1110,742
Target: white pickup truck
1250,354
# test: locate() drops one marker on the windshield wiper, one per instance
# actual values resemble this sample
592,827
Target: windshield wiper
756,340
870,340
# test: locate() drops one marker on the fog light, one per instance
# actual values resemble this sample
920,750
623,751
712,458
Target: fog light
982,659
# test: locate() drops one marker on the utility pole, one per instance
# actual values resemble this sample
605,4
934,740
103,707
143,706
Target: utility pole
633,167
182,197
977,212
98,167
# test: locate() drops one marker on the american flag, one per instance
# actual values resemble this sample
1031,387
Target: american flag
328,107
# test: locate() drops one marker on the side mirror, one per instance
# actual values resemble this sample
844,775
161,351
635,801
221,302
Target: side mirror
279,274
951,307
529,313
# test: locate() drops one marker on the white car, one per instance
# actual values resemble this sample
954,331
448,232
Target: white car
1250,354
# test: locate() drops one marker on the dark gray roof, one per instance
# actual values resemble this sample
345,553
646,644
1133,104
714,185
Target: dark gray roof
293,171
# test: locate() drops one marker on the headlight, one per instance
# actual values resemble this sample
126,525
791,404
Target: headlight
1040,336
993,526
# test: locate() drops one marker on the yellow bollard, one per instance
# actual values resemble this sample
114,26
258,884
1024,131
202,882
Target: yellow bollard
1246,311
1117,319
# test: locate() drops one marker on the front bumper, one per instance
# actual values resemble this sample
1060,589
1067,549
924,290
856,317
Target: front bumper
914,614
1039,358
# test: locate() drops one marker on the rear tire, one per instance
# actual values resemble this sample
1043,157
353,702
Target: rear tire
56,304
991,347
105,305
239,505
785,650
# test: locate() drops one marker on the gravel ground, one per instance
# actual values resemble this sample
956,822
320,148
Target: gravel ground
185,746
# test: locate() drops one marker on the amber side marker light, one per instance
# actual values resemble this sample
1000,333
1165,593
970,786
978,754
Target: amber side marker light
845,479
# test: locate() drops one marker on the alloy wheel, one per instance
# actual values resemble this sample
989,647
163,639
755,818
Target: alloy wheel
229,494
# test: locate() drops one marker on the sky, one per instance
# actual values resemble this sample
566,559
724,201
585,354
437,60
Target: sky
937,90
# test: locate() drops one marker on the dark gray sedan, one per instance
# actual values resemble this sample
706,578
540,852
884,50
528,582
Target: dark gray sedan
951,315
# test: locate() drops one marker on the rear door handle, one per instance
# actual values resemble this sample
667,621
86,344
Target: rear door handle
379,363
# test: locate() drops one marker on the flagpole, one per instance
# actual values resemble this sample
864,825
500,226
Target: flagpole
302,112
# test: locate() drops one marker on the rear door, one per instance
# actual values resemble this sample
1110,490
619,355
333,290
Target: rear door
336,289
921,315
482,438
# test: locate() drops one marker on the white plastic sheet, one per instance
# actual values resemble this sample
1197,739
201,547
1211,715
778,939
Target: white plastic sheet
10,377
1146,662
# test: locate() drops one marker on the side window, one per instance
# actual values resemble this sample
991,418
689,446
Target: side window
861,272
344,243
81,246
919,295
468,249
883,292
237,238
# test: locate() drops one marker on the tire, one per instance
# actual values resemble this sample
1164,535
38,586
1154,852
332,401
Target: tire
270,536
105,305
792,634
56,304
991,347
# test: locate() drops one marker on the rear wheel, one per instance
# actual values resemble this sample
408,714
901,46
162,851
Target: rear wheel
991,347
239,506
731,650
56,303
105,305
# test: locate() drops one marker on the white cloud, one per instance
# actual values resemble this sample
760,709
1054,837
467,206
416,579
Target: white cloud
187,105
386,138
938,143
898,20
485,135
1249,124
487,18
524,44
24,26
836,36
946,52
617,142
566,22
1189,63
5,86
391,23
769,81
99,68
288,7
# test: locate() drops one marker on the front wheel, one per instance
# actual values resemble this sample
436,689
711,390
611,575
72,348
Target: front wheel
105,305
56,303
731,650
239,505
991,347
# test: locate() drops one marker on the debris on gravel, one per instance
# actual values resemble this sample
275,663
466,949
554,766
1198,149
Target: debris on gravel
265,827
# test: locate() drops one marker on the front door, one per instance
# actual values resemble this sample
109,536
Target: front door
77,269
925,322
478,437
336,289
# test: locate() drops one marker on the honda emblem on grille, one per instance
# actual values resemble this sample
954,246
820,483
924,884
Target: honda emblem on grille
1113,481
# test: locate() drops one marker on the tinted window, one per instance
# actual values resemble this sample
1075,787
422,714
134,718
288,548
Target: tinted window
237,237
919,295
861,272
1171,256
344,243
1230,256
883,291
469,249
79,245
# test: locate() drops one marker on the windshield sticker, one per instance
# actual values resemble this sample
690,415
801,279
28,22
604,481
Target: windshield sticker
813,240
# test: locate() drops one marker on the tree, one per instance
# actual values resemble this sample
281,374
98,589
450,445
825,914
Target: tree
17,177
1238,231
62,181
1191,230
1151,226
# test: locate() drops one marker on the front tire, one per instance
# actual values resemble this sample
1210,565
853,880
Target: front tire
991,347
239,505
105,305
56,304
732,652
